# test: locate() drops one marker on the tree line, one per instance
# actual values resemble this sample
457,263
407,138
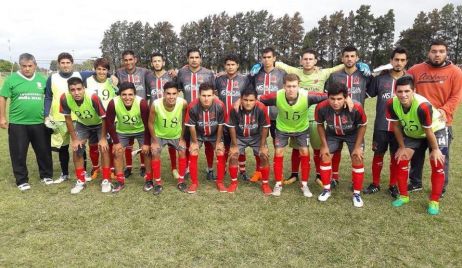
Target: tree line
246,34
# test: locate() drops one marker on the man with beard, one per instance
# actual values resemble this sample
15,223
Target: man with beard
440,81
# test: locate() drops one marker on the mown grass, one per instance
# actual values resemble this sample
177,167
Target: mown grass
48,226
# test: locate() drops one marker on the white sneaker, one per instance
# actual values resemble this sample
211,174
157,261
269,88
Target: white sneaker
277,190
79,186
47,181
306,191
357,201
87,177
175,174
106,186
62,178
324,195
24,187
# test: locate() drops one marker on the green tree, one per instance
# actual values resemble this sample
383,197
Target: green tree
5,66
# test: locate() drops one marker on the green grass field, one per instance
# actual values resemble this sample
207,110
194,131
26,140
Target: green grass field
47,226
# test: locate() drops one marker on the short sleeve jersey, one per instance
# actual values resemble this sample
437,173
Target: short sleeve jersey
206,121
229,90
356,84
27,98
383,87
265,83
340,123
189,81
249,123
141,77
157,86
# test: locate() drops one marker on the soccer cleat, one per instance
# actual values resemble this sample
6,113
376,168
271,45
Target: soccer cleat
182,187
175,174
87,177
326,193
243,176
47,181
333,183
293,178
142,172
411,187
118,186
78,187
306,191
94,173
393,190
157,189
400,200
277,190
266,189
256,176
106,186
148,185
127,172
62,178
357,200
24,187
192,188
433,208
232,187
221,187
371,189
211,175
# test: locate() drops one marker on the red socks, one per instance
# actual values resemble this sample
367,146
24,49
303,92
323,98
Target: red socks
437,180
80,174
295,160
106,173
305,161
172,154
335,164
265,174
257,163
94,155
357,174
325,170
402,174
393,168
120,178
209,153
128,156
232,172
377,164
242,160
193,168
182,164
221,165
317,160
155,164
278,168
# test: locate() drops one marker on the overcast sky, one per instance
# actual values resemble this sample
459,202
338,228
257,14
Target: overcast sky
46,28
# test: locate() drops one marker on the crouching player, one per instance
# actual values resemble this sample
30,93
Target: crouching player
126,119
248,127
413,114
166,127
90,113
291,122
205,119
342,125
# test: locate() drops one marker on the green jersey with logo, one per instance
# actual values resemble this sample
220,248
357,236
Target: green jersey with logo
128,121
292,118
168,124
27,98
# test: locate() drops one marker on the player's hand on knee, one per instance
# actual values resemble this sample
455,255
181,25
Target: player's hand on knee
264,153
145,149
233,151
117,148
194,148
437,156
357,154
103,146
324,154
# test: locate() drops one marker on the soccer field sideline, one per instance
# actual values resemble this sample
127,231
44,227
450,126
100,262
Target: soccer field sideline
49,227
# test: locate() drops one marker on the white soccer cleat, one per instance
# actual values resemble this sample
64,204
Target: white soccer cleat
24,187
78,187
106,186
357,200
47,181
277,190
62,178
306,191
326,193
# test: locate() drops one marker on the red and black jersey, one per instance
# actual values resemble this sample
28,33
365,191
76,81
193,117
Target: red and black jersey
189,82
229,90
206,121
340,123
157,86
249,123
356,83
142,79
383,87
265,83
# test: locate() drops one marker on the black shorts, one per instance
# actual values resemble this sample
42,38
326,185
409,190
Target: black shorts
382,140
335,143
282,139
441,140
